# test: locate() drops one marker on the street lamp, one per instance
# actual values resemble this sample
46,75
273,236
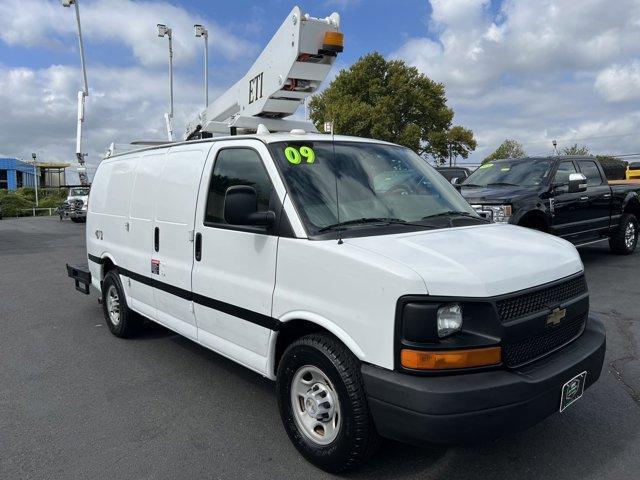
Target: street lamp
164,31
202,32
35,176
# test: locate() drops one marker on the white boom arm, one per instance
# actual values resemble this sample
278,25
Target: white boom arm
290,68
82,171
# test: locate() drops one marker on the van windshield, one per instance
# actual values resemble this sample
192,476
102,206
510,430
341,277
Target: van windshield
357,184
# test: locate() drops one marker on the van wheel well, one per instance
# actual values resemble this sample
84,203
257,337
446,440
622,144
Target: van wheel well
107,265
290,332
535,221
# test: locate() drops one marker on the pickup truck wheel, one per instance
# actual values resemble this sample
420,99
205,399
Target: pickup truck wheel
323,404
121,321
624,239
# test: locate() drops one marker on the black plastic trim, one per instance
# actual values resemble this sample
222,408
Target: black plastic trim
470,408
248,315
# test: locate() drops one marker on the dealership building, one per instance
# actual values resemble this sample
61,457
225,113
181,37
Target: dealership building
15,174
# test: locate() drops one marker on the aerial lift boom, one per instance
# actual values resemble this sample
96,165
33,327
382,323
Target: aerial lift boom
290,68
82,94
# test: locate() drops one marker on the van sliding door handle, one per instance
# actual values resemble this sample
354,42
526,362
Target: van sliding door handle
156,239
198,247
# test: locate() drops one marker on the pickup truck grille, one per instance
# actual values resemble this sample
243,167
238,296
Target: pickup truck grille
540,300
532,348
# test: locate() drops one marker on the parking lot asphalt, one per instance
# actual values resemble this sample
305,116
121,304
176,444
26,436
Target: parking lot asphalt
77,402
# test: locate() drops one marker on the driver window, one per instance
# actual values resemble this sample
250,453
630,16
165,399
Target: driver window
236,166
564,170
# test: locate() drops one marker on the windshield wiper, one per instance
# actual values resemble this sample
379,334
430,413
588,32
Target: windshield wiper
363,221
456,213
506,184
472,185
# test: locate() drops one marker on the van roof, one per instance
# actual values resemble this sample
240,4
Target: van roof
265,138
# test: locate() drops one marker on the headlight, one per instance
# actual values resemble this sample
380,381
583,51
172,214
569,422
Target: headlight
497,213
449,319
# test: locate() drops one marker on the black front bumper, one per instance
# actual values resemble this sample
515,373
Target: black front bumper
472,407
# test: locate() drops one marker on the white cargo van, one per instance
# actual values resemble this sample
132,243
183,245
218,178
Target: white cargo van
353,274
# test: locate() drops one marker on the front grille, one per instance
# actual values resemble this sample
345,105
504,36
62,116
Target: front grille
540,300
532,348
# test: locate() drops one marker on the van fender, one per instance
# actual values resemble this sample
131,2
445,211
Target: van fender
96,281
319,320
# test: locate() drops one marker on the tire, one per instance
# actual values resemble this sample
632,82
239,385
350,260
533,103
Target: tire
75,219
122,321
326,380
624,239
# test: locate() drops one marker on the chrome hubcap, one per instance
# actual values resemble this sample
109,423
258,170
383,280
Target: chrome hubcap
315,405
630,235
113,305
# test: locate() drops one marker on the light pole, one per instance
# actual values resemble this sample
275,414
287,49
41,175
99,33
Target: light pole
35,176
555,147
202,32
164,31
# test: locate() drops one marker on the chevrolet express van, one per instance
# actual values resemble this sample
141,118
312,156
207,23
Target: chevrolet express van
355,276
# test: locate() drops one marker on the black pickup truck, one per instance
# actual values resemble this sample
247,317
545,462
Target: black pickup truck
565,196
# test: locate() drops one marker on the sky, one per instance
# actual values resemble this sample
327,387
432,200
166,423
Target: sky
531,70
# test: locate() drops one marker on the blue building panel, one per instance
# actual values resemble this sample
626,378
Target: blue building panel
12,166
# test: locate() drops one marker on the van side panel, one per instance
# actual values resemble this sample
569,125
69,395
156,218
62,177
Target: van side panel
109,211
141,223
175,206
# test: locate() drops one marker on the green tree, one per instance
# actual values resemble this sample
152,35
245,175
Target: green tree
575,150
614,168
507,149
391,101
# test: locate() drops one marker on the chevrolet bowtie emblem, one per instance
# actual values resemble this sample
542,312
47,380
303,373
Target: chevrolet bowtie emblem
556,316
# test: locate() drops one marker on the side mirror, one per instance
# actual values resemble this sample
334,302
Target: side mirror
241,208
456,181
577,183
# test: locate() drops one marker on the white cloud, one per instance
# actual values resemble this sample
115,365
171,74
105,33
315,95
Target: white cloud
532,70
47,23
39,110
620,82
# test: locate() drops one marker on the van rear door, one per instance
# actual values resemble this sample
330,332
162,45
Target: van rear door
171,260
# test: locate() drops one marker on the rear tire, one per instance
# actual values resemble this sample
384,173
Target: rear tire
624,239
122,321
323,404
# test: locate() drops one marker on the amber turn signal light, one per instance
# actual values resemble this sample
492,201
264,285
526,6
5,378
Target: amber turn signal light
333,41
442,360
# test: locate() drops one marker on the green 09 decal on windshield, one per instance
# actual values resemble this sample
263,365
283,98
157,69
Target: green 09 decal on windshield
295,155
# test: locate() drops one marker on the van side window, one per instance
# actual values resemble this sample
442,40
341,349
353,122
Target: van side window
592,172
564,170
236,166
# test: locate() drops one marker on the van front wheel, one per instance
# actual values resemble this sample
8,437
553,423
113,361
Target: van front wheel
121,321
323,404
